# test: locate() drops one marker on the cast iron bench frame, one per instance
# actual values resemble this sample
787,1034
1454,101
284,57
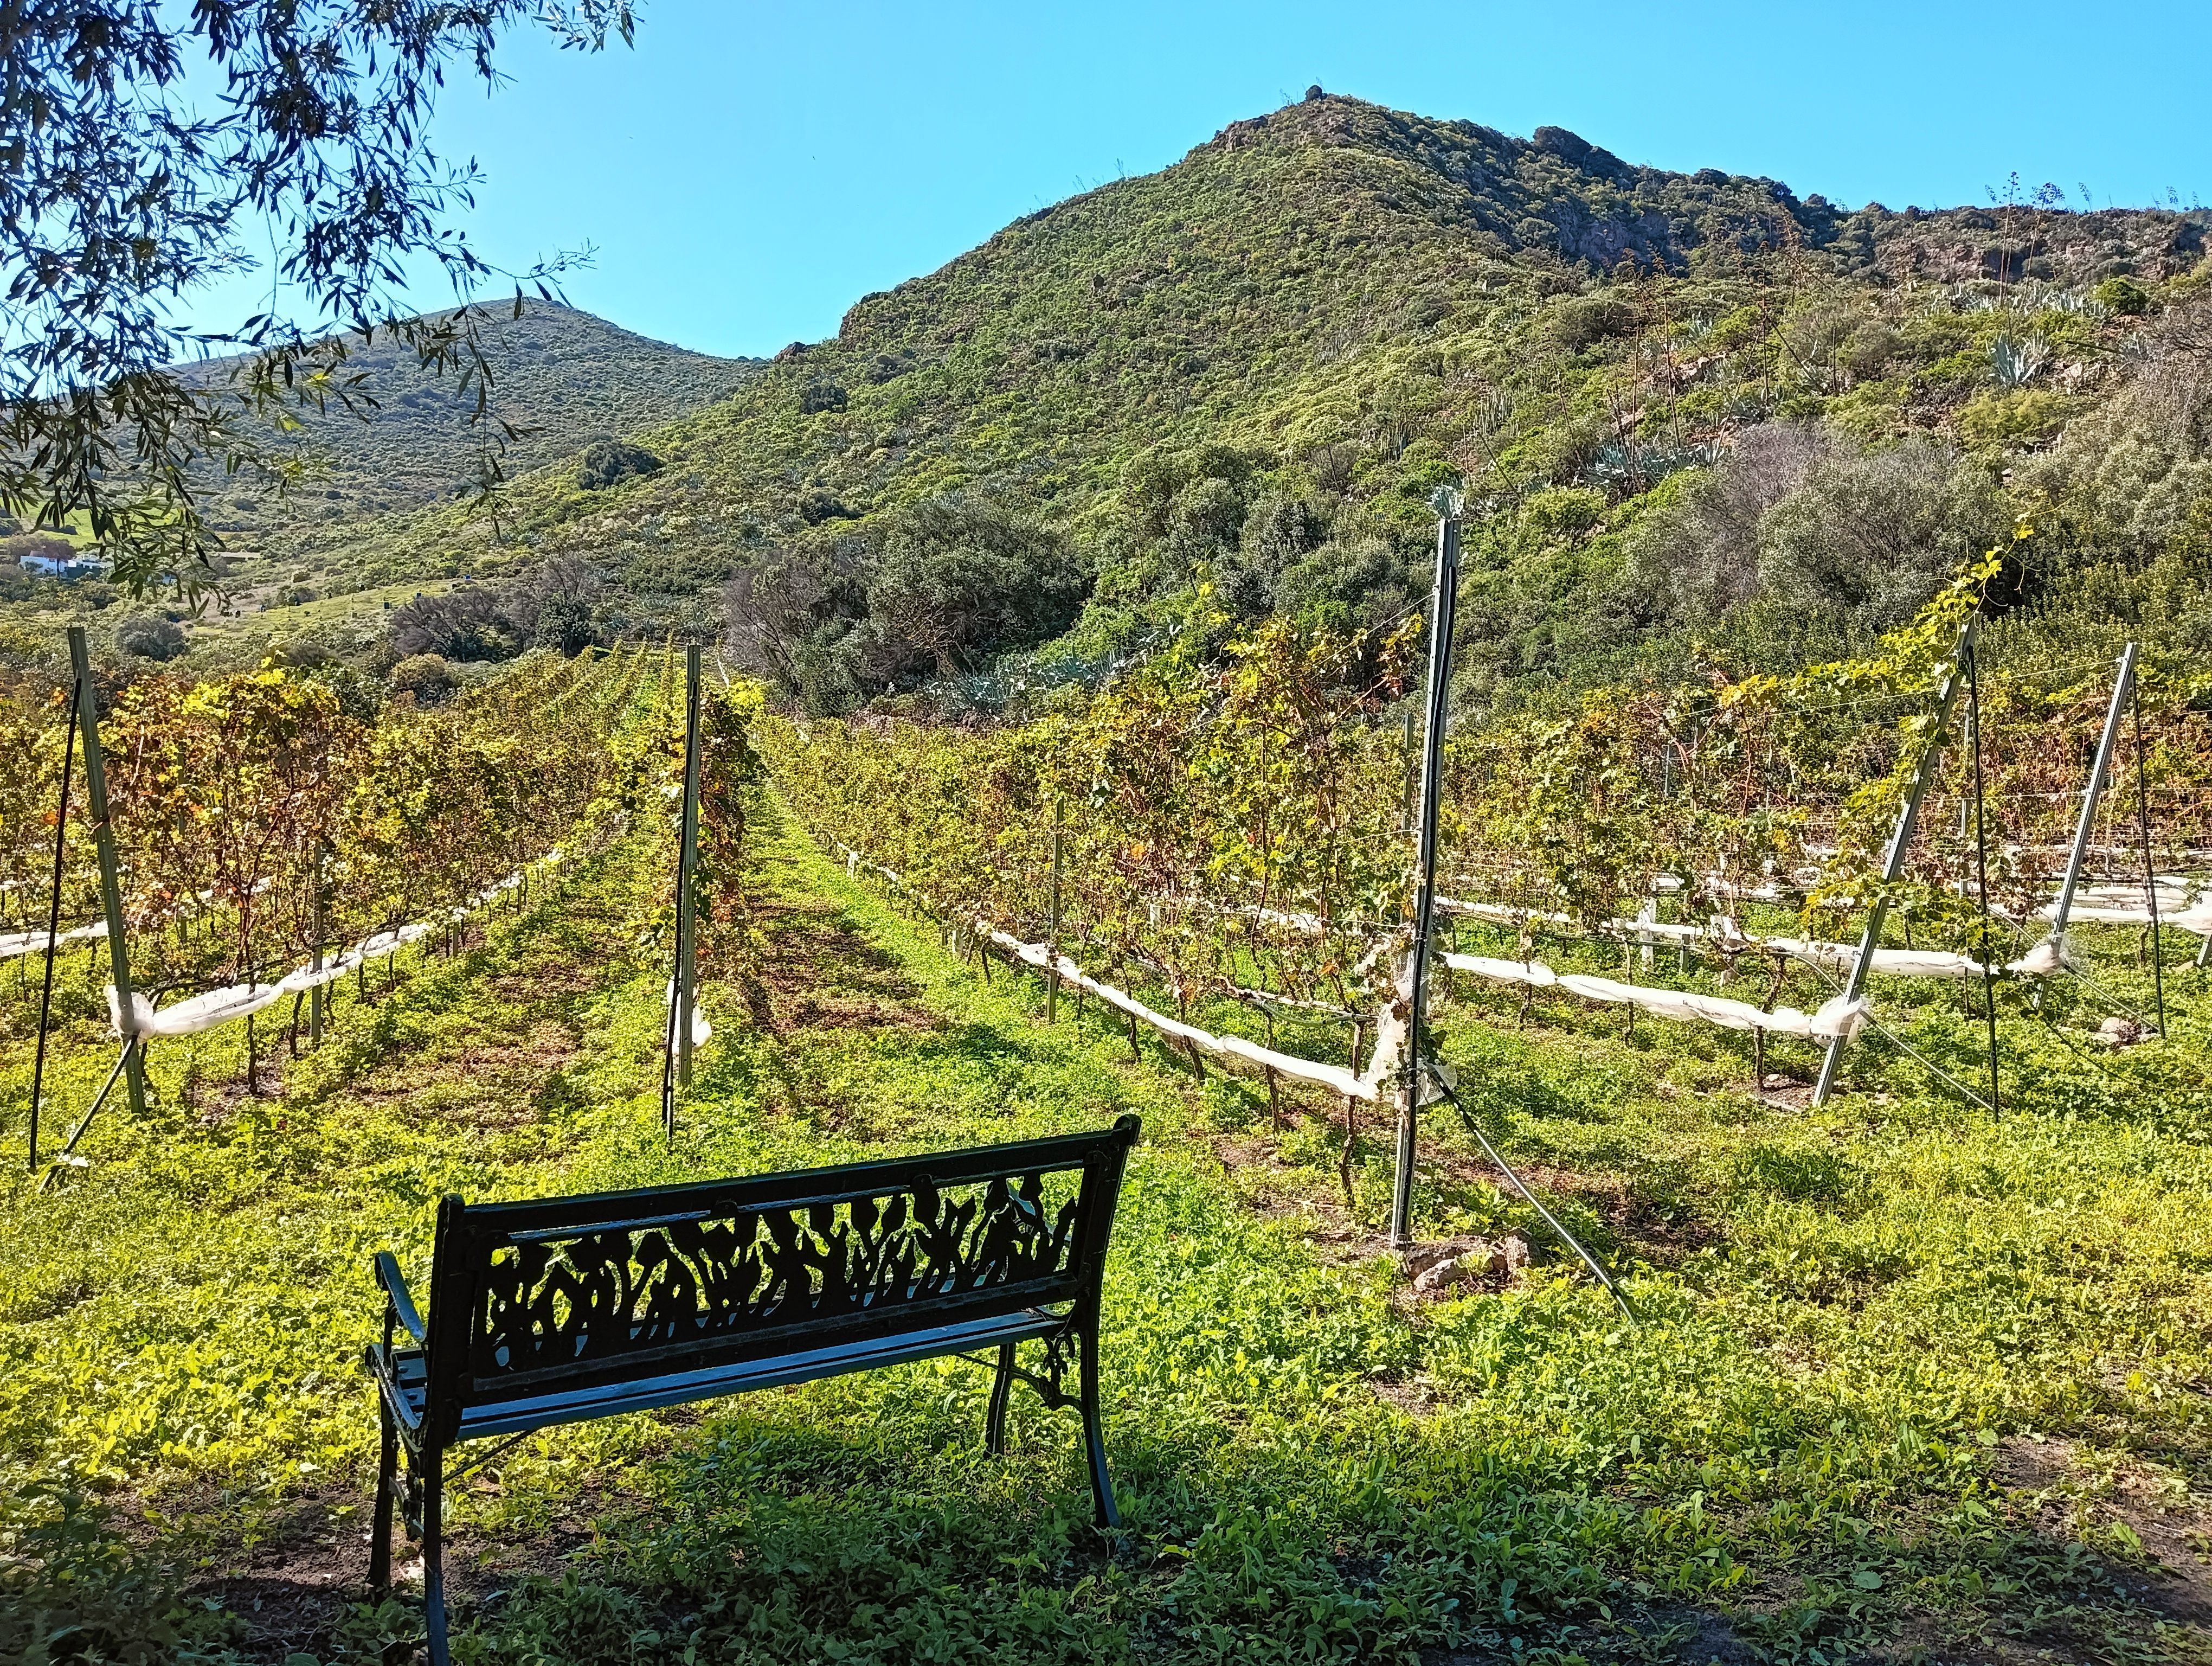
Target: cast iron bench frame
562,1310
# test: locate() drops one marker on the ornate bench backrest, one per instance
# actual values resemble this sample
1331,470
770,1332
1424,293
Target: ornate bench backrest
546,1297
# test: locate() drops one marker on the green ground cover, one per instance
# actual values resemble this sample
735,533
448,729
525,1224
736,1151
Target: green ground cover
1907,1381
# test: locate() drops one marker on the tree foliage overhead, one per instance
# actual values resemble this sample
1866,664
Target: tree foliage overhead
123,193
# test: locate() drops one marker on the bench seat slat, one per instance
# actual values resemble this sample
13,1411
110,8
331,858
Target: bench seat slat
520,1415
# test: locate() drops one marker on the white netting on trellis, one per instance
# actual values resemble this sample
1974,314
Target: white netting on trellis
196,1013
1838,1018
13,944
232,1002
702,1032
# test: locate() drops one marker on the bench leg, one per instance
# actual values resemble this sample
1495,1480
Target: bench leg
434,1555
1002,1389
1094,1438
379,1528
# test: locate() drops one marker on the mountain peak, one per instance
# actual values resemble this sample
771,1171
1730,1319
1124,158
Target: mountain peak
1325,120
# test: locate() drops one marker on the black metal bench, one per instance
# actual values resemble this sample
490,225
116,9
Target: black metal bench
560,1310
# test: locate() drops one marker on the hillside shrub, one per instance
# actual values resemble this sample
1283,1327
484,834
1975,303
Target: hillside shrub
426,677
1586,320
959,580
2013,420
816,506
2123,294
473,622
1800,514
1875,534
150,636
790,612
610,462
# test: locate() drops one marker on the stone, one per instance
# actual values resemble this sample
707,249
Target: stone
1419,1258
2118,1032
1436,1268
1451,1270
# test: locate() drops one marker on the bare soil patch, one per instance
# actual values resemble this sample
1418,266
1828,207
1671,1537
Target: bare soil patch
2176,1532
818,968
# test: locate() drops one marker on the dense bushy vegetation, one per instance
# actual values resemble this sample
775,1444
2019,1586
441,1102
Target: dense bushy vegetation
1669,395
559,604
949,583
559,378
1689,410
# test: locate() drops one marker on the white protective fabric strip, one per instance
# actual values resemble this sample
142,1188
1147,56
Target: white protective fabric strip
2175,891
1895,963
2048,959
2197,918
219,1006
1837,1017
702,1032
1839,957
13,944
373,948
196,1013
1335,1077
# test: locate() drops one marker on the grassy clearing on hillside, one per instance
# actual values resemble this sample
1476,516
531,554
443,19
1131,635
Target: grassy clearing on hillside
1909,1381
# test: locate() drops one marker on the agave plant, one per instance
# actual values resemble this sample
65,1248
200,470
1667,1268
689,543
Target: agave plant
2015,360
1616,464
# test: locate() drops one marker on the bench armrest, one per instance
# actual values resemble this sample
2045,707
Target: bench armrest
395,1289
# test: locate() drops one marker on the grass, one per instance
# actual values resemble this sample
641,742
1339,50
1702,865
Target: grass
1908,1380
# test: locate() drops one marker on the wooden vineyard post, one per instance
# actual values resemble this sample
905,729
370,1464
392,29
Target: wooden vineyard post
315,992
1900,841
53,923
1443,604
111,878
2122,686
677,1070
1052,932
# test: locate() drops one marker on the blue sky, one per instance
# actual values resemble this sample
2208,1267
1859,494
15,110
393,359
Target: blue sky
748,170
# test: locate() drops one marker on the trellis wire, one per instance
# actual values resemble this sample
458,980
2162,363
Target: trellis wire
1429,1068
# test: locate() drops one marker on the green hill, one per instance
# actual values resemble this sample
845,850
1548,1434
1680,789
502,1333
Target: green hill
562,377
1229,387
